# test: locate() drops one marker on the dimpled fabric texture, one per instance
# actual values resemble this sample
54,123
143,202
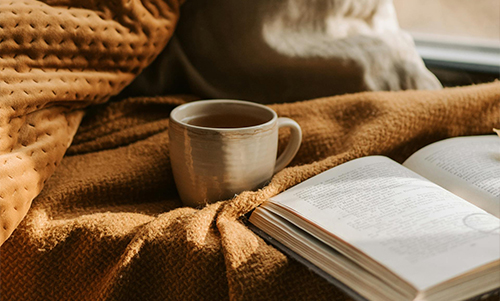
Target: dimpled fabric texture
56,57
109,224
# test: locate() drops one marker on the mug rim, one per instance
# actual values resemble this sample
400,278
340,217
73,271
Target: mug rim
223,130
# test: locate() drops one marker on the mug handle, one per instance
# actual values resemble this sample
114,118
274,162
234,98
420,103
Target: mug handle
293,145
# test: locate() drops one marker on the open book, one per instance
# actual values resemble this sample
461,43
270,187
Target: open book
425,230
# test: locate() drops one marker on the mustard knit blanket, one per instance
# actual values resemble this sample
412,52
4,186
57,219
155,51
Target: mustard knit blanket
109,225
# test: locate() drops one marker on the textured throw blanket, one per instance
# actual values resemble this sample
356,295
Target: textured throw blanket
109,225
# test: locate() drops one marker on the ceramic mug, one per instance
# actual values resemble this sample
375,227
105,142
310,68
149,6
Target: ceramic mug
219,148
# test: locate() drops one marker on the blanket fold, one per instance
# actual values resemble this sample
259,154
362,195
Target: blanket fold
108,224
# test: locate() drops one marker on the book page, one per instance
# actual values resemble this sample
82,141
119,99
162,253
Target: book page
467,166
418,230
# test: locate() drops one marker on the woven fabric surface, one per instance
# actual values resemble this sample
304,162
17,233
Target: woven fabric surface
58,56
109,226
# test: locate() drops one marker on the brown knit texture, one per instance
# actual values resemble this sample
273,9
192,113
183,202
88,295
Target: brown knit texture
109,226
57,56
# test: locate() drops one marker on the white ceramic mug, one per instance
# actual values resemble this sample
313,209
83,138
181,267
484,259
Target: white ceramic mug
214,161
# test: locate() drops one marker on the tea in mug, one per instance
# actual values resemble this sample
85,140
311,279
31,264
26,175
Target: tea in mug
226,120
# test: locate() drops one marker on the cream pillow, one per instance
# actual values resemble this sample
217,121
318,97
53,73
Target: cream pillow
286,50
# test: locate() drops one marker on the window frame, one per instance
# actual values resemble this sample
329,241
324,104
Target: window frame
457,53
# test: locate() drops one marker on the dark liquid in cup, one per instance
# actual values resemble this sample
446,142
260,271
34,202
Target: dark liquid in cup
226,121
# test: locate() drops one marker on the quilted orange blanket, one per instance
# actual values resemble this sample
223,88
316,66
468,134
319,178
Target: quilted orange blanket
56,57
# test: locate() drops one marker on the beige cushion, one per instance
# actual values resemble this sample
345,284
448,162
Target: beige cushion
287,50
